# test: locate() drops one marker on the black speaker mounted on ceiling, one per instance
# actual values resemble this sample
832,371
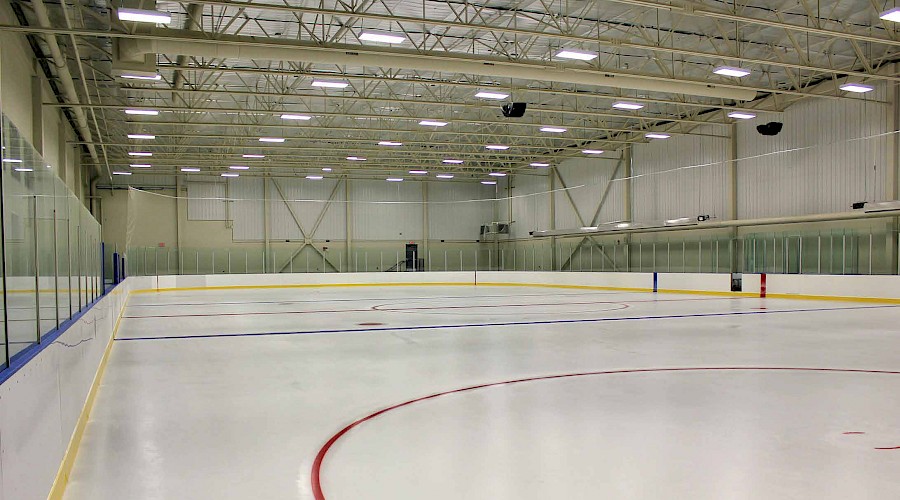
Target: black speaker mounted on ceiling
771,128
514,109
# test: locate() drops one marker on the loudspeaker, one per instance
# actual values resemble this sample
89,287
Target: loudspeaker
514,109
771,128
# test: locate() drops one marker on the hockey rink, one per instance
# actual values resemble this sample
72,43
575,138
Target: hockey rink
489,392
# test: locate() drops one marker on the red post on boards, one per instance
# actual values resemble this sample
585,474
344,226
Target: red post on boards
762,285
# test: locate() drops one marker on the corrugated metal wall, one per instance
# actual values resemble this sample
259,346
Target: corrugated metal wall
201,203
664,188
530,205
333,224
587,179
456,210
247,208
386,210
833,167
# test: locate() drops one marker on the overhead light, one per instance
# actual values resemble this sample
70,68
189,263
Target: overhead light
296,117
389,143
432,123
539,164
679,220
239,167
326,169
329,84
144,16
11,160
141,136
891,15
140,153
592,151
580,55
229,174
49,166
484,94
253,156
731,71
859,88
141,75
740,115
497,147
654,135
627,105
557,130
314,177
23,169
190,169
497,174
147,112
382,36
589,228
140,165
622,225
444,176
490,183
356,158
394,179
418,172
271,139
121,173
452,161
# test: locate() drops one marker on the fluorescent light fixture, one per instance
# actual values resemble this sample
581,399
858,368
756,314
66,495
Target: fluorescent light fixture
296,117
356,158
489,183
622,225
314,177
497,147
627,105
484,94
539,164
654,135
731,71
271,139
147,112
589,228
891,15
557,130
330,84
143,16
580,55
141,136
140,165
740,115
453,161
23,169
49,166
592,151
680,220
253,156
418,172
859,88
190,169
326,169
228,174
432,123
444,176
239,167
381,36
140,75
121,173
389,143
140,153
394,179
11,160
497,174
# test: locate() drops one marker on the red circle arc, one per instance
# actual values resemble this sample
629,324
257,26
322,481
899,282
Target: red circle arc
315,475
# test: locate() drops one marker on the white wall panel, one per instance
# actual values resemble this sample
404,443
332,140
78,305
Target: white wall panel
247,208
663,187
386,210
821,162
206,201
530,205
456,210
586,179
307,199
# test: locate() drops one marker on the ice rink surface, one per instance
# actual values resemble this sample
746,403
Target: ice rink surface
538,393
